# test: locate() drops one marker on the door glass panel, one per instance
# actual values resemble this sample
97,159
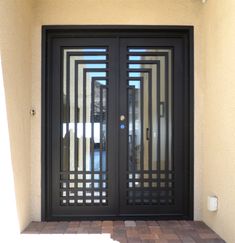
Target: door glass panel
83,164
149,126
135,122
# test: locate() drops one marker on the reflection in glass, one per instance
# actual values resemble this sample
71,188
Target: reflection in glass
150,118
84,118
134,101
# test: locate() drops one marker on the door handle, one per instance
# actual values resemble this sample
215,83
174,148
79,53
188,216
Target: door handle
122,118
162,109
147,134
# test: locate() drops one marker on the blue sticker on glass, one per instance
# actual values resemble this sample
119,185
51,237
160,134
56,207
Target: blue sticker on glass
122,126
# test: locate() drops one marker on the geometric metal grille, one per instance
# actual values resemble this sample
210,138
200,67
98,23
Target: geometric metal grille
150,169
84,167
78,191
117,122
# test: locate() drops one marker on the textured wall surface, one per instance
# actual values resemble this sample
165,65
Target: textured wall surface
20,47
219,115
15,51
111,12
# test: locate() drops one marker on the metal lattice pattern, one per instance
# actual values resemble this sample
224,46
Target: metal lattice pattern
150,171
76,190
84,170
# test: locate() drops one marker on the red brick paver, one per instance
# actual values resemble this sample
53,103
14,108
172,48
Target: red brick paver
132,231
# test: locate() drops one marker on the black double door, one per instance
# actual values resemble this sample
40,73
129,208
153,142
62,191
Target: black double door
118,124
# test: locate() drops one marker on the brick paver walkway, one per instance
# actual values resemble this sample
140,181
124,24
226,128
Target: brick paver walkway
132,231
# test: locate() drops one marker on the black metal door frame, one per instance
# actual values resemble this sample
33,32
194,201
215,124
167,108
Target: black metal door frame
185,33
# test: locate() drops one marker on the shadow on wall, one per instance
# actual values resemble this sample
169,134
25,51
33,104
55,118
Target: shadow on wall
8,212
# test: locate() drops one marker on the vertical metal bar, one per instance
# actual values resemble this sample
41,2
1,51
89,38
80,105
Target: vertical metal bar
101,142
142,139
78,142
158,129
104,88
76,123
150,129
84,134
76,115
67,135
167,127
133,143
133,128
132,89
63,118
92,137
67,126
150,119
72,118
128,167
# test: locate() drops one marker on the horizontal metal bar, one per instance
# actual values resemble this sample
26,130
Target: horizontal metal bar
92,61
136,78
84,53
148,53
139,70
145,189
153,180
151,197
150,62
83,180
97,70
84,189
80,172
100,78
86,197
151,172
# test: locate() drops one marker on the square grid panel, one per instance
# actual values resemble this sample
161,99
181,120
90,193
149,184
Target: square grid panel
83,189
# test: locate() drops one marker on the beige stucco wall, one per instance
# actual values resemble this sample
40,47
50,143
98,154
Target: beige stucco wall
15,54
219,115
111,12
20,48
